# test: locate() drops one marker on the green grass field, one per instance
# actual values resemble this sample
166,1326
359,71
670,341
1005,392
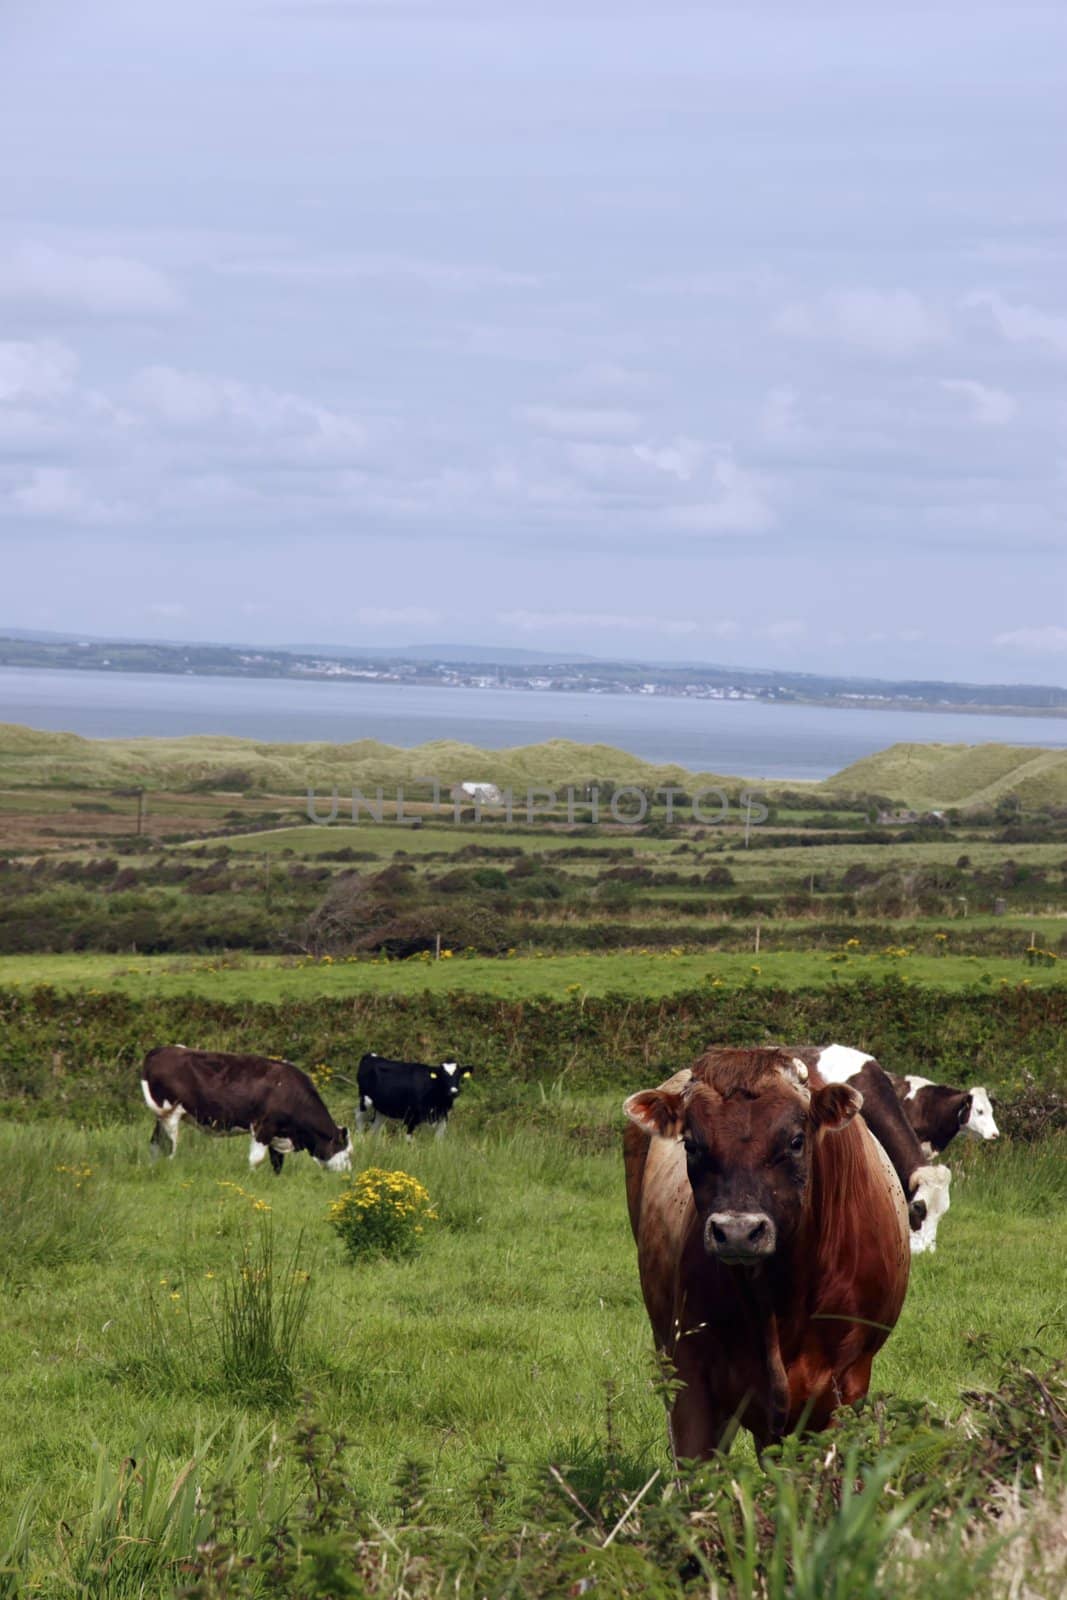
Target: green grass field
500,1340
269,978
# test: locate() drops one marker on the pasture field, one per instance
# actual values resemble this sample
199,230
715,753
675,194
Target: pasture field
180,1342
630,972
501,1343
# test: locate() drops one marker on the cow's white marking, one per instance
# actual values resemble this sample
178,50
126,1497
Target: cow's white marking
284,1147
839,1062
366,1104
450,1067
150,1102
257,1152
915,1084
800,1069
932,1185
980,1123
441,1126
341,1162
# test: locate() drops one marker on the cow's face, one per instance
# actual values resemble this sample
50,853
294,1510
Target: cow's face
976,1116
340,1160
748,1157
455,1077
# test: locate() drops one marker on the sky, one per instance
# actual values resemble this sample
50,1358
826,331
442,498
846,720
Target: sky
697,330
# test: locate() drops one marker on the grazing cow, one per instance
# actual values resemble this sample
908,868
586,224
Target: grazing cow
937,1112
272,1100
926,1186
408,1090
772,1243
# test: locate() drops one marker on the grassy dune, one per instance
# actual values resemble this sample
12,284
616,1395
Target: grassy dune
921,774
32,759
961,775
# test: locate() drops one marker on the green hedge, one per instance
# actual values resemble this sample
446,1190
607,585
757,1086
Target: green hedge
78,1053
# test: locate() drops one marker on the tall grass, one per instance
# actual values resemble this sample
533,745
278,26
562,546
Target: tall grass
260,1325
55,1207
239,1333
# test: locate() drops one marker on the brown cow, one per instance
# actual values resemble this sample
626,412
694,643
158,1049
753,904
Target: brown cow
772,1243
223,1093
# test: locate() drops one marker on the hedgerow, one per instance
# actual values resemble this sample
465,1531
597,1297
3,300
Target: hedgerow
77,1052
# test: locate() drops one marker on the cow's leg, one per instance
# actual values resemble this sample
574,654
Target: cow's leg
277,1157
856,1381
155,1144
258,1153
696,1430
442,1124
170,1123
364,1103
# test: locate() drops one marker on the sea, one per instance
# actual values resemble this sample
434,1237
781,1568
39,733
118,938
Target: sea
746,737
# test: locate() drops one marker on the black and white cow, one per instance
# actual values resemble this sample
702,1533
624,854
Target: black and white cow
938,1112
410,1091
925,1185
270,1099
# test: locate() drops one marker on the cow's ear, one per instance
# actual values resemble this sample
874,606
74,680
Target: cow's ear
657,1111
965,1110
465,1074
434,1073
834,1106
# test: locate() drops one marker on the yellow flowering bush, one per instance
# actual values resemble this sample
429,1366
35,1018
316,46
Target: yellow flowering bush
382,1213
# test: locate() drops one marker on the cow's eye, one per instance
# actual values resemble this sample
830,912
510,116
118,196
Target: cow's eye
796,1143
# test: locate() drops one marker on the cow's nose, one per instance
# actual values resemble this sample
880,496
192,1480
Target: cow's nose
739,1235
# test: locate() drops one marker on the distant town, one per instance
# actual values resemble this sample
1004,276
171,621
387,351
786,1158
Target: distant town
447,667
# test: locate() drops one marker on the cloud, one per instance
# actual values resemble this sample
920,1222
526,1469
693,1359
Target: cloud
463,277
169,609
740,506
890,324
1021,324
36,371
680,459
200,403
400,617
781,422
59,494
990,408
1046,641
44,279
570,422
602,621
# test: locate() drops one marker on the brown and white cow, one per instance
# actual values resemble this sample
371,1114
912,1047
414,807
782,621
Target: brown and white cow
270,1099
937,1112
772,1243
925,1184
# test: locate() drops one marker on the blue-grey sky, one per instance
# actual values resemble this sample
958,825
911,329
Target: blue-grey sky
700,330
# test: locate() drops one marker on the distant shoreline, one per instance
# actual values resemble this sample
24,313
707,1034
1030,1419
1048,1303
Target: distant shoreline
850,701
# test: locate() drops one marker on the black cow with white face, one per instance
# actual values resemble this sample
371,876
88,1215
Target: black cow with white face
412,1092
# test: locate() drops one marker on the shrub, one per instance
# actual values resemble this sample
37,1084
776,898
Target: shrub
382,1214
